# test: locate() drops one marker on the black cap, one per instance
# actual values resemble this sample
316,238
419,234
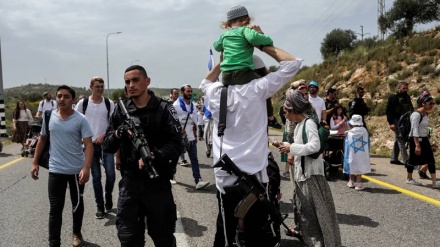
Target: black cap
330,90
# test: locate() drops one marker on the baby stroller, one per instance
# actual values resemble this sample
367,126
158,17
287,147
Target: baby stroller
334,154
31,143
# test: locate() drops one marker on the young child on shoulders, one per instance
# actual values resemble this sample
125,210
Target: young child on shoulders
338,120
237,45
357,152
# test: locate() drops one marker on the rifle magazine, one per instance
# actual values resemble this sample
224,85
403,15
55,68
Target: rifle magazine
244,206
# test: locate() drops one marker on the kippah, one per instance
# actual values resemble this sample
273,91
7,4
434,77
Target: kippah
235,12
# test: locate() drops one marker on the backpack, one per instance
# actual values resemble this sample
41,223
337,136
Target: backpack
106,101
323,136
404,124
42,102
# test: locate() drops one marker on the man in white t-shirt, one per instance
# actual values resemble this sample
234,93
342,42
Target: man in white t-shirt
97,110
187,113
46,104
317,102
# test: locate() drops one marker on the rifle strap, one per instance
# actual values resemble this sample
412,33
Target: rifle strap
222,118
187,117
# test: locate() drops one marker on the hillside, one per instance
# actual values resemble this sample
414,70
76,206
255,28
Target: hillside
378,68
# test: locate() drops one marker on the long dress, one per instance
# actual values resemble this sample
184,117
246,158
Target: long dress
314,208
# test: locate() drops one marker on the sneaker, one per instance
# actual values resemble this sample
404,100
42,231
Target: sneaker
77,240
359,187
286,174
201,184
173,181
436,185
350,184
274,123
184,163
396,162
108,202
423,175
413,182
100,213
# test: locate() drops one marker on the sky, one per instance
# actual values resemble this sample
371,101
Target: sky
64,41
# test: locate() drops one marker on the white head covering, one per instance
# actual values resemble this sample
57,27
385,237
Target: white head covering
258,62
356,120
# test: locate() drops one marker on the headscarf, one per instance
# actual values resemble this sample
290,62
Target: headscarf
423,98
296,101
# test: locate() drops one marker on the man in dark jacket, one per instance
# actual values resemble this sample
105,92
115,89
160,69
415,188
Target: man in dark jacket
141,196
358,105
398,104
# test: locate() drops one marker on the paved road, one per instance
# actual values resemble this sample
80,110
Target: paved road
387,213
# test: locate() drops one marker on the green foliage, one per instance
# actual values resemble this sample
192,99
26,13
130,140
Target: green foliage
379,109
426,61
424,43
336,41
426,70
404,14
392,84
373,86
394,67
405,74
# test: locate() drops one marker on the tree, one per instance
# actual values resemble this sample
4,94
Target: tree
337,41
404,14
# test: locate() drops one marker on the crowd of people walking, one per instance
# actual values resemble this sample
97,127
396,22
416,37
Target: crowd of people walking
144,136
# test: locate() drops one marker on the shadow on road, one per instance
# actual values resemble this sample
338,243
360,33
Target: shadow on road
190,188
192,227
382,191
5,155
356,220
88,244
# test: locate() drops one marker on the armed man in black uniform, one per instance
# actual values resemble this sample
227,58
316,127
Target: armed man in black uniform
142,195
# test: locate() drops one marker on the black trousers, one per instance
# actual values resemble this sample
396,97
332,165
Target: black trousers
257,232
57,194
141,198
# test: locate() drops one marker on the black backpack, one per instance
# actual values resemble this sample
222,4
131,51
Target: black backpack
404,124
107,105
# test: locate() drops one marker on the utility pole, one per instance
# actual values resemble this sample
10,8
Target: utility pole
2,99
380,12
362,34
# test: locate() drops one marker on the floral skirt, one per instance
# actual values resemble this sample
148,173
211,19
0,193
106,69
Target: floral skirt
21,131
315,213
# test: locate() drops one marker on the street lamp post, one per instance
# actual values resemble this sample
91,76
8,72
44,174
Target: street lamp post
106,52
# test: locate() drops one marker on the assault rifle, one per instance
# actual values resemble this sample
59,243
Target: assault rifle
138,140
255,192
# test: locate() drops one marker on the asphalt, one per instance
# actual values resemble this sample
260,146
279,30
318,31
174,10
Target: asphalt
387,213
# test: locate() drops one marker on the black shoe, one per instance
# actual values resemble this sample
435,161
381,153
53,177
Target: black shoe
108,202
274,123
423,175
100,213
208,154
396,162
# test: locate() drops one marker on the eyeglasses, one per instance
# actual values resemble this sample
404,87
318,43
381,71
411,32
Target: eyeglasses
432,103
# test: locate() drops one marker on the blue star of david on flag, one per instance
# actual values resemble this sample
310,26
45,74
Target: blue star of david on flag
358,144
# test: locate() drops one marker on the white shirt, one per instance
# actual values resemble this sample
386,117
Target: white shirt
96,115
319,105
245,138
298,149
183,115
47,105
